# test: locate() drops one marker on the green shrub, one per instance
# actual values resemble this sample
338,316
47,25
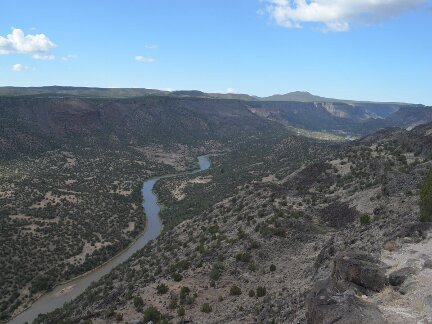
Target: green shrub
251,293
138,302
426,200
119,317
243,257
206,308
365,219
272,268
152,314
162,289
181,312
177,276
261,291
235,291
216,271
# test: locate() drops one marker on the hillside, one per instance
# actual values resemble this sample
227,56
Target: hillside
287,247
297,109
33,123
72,168
343,118
71,172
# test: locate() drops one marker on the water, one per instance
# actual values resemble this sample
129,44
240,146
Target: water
68,291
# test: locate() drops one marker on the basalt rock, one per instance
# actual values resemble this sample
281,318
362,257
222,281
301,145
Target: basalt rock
325,306
360,269
336,299
398,277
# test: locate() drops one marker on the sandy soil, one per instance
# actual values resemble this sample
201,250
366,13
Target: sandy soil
177,158
178,191
270,178
87,249
416,305
342,169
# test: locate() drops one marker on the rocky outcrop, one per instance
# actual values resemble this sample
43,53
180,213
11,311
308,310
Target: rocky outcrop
398,277
337,299
326,305
359,269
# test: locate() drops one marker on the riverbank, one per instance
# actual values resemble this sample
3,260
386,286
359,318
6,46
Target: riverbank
64,293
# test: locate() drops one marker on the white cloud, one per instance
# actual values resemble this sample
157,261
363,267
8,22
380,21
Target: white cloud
39,45
69,57
17,67
230,90
46,57
336,15
144,59
151,46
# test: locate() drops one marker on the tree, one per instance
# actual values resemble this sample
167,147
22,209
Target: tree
426,200
152,314
235,291
261,291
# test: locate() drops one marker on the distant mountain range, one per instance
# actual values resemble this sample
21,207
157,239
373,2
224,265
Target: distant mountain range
298,96
296,109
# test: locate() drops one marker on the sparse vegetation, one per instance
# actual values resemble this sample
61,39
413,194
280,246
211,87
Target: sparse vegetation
162,289
261,291
273,206
206,308
426,200
151,313
235,291
365,219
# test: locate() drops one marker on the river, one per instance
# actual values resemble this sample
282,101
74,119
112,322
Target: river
66,292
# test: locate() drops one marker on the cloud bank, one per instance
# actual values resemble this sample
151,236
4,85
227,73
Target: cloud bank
336,15
39,45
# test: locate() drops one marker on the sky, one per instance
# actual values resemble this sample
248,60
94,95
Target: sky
378,50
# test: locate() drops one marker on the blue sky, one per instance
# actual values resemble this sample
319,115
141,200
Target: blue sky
341,49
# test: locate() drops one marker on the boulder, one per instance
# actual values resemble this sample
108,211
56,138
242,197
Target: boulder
428,307
427,264
325,305
407,286
360,269
398,277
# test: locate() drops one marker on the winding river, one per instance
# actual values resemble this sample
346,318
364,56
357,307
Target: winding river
68,291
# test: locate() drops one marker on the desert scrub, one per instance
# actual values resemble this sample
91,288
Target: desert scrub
152,314
206,308
138,303
365,219
162,289
426,200
243,257
261,291
235,291
390,246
